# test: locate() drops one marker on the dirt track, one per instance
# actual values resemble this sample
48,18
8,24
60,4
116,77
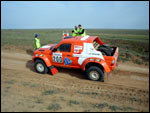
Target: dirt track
125,89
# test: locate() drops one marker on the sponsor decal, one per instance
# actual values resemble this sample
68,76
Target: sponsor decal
88,51
77,47
91,49
94,54
67,61
77,55
76,51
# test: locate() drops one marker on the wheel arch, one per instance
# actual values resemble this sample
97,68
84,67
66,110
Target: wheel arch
89,64
47,62
102,65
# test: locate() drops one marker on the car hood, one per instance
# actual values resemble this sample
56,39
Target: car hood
45,49
47,46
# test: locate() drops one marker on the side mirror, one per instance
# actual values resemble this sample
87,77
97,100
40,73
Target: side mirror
54,50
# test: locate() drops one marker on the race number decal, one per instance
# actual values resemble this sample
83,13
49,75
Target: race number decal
57,57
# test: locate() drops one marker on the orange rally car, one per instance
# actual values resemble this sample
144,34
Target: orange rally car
88,53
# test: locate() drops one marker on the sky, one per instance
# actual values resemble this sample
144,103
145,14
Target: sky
67,14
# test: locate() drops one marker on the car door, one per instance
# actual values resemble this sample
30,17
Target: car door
63,55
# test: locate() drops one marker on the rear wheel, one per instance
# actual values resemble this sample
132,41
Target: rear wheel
40,67
95,73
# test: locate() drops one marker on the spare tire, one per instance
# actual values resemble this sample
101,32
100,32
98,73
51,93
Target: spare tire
106,46
105,51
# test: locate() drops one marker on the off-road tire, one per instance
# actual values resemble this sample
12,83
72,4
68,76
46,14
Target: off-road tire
44,67
106,46
105,51
97,71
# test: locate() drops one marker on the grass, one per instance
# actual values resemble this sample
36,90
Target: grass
100,106
112,107
49,92
109,95
39,101
62,98
6,89
128,108
31,85
25,83
131,43
87,93
54,107
9,82
19,103
25,37
35,85
133,99
139,61
71,102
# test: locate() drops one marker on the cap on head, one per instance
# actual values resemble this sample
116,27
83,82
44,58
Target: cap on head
36,35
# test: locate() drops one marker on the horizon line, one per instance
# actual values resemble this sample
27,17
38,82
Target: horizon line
69,28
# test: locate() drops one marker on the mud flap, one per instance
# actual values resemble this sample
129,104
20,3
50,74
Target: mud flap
108,75
53,70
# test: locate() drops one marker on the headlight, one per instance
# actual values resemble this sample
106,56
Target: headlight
91,59
113,62
41,55
98,60
36,55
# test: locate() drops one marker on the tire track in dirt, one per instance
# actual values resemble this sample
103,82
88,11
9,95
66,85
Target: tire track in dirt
127,67
86,88
17,61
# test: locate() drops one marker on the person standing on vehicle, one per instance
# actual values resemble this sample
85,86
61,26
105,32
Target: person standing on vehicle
36,42
81,31
75,31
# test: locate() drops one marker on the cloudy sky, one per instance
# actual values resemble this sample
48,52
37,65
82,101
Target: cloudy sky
67,14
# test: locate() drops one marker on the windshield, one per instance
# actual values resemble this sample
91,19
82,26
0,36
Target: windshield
53,47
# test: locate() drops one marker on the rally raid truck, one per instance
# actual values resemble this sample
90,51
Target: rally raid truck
88,53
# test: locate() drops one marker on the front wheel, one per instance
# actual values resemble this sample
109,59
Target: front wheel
95,73
40,67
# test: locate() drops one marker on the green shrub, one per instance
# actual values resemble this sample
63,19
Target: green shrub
54,107
49,92
100,106
73,102
39,101
139,61
114,108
